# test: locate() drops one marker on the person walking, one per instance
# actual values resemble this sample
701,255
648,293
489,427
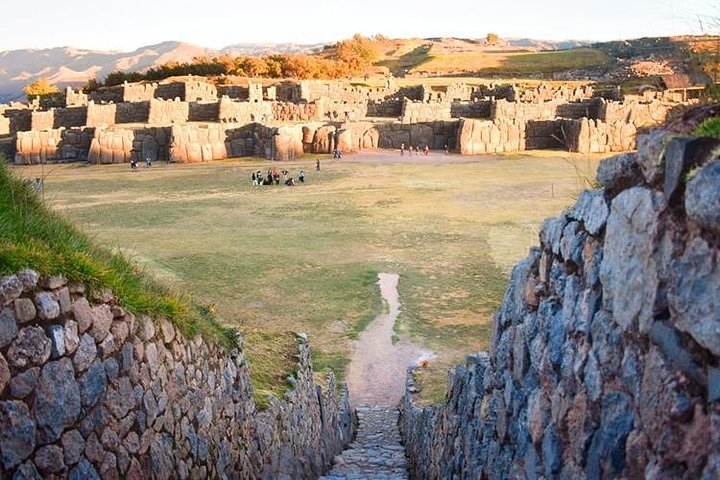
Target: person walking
317,165
301,176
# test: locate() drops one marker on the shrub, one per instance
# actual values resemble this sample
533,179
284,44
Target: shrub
710,127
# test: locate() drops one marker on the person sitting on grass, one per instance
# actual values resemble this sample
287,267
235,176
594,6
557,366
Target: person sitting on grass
290,182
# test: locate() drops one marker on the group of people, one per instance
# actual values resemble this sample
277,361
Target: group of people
273,177
416,149
134,164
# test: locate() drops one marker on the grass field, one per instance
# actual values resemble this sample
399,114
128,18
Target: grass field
278,259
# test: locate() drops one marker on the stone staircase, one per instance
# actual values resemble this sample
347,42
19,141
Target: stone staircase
376,453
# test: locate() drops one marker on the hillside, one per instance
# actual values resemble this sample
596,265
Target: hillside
32,236
72,66
414,57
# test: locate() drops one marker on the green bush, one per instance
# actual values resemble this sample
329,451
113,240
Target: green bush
710,127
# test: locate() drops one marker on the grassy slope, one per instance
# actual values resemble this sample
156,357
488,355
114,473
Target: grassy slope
305,259
31,236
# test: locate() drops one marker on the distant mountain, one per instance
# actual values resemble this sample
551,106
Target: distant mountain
546,44
73,66
260,49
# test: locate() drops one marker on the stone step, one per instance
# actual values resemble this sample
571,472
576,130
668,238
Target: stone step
376,453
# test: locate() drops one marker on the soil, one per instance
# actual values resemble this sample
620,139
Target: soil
377,371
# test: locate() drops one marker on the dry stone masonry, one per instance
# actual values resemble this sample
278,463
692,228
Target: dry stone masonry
486,118
88,390
376,452
604,359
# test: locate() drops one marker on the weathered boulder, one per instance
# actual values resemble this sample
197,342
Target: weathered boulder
17,437
31,347
702,198
628,271
57,400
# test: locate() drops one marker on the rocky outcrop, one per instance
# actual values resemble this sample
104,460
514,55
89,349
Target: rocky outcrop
88,390
604,356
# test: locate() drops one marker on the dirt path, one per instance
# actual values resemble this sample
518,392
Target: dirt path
376,375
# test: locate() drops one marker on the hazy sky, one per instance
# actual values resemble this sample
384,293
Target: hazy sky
128,24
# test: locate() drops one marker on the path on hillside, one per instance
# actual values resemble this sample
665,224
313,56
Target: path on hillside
377,370
376,380
377,452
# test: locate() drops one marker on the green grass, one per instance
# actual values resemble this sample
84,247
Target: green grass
710,127
31,236
548,62
305,259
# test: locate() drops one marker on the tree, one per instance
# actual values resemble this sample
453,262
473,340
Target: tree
40,87
492,38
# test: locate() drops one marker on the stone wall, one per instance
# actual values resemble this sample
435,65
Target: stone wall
604,356
296,112
562,93
198,143
231,111
196,91
138,92
88,390
596,136
167,112
58,118
20,119
476,137
471,109
418,112
391,107
75,99
253,139
113,94
357,136
637,113
104,115
4,125
204,111
504,110
120,145
312,90
54,145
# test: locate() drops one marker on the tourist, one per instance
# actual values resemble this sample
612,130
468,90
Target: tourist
417,151
402,149
301,177
148,161
133,165
447,149
37,185
290,182
339,154
426,150
317,165
254,179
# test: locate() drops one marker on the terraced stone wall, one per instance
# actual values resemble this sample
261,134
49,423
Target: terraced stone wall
604,359
88,390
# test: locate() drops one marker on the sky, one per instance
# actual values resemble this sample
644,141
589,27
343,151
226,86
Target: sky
129,24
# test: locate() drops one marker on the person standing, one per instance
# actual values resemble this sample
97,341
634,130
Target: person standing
301,176
402,149
317,165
